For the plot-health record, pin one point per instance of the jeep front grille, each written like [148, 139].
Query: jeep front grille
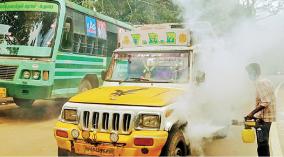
[86, 117]
[7, 72]
[107, 121]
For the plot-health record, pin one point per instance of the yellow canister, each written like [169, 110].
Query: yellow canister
[250, 123]
[248, 135]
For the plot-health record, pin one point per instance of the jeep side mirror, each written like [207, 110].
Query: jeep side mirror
[200, 77]
[103, 75]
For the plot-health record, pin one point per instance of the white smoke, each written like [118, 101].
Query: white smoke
[225, 48]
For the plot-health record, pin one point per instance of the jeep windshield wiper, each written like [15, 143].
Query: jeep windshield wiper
[139, 79]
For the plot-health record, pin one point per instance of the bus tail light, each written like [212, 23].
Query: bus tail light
[45, 75]
[61, 133]
[144, 141]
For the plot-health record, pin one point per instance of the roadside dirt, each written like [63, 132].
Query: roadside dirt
[28, 132]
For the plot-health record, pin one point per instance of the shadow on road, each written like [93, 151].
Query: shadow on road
[41, 110]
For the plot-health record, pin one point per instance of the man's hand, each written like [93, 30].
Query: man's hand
[250, 116]
[257, 109]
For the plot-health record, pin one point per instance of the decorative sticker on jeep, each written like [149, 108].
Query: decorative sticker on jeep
[118, 93]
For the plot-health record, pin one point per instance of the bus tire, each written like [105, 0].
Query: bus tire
[175, 145]
[85, 85]
[23, 102]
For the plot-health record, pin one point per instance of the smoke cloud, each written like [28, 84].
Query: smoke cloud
[228, 40]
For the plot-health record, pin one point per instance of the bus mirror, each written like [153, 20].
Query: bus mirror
[103, 75]
[200, 77]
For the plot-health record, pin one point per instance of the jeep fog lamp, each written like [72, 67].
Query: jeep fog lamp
[70, 115]
[114, 137]
[149, 121]
[36, 75]
[26, 74]
[75, 133]
[85, 134]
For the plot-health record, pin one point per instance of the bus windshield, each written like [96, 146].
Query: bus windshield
[27, 28]
[149, 67]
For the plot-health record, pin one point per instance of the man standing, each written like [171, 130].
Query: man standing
[265, 108]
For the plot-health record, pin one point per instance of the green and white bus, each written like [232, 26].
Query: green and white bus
[53, 49]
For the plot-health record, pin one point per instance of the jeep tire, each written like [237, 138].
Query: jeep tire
[175, 145]
[62, 152]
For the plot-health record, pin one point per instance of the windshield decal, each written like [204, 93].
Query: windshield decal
[29, 6]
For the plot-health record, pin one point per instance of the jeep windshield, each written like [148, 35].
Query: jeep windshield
[149, 67]
[27, 28]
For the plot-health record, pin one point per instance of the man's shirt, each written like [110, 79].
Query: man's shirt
[265, 97]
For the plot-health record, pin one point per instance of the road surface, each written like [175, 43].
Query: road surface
[28, 132]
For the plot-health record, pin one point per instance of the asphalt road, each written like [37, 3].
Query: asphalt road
[29, 132]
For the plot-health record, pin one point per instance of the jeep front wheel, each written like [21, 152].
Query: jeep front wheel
[62, 152]
[175, 145]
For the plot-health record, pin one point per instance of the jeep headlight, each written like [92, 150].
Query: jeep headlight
[70, 115]
[150, 121]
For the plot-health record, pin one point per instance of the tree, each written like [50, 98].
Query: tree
[85, 3]
[140, 11]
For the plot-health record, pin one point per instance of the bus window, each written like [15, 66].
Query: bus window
[67, 37]
[83, 44]
[111, 43]
[90, 45]
[77, 43]
[101, 47]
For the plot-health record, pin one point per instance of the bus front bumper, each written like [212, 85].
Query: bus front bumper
[27, 91]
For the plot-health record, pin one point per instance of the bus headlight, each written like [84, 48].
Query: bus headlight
[36, 75]
[70, 115]
[26, 74]
[150, 121]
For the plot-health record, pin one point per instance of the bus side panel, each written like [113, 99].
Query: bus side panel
[70, 69]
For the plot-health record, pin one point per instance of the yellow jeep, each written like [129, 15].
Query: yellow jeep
[132, 114]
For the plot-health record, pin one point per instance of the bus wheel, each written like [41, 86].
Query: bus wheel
[23, 102]
[175, 145]
[85, 85]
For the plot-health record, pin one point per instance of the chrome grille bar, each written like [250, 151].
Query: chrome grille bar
[105, 121]
[115, 121]
[126, 122]
[86, 117]
[96, 120]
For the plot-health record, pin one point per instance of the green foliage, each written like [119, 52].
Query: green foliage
[140, 11]
[86, 3]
